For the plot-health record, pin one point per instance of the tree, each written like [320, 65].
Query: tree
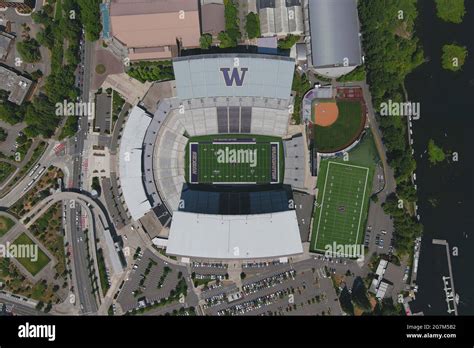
[252, 25]
[243, 275]
[451, 10]
[435, 153]
[232, 28]
[90, 18]
[358, 74]
[37, 74]
[359, 294]
[3, 134]
[29, 50]
[374, 198]
[226, 41]
[406, 191]
[205, 41]
[45, 37]
[454, 57]
[11, 113]
[346, 301]
[288, 42]
[40, 305]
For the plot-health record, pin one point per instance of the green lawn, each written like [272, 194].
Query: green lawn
[234, 159]
[344, 131]
[32, 266]
[5, 225]
[6, 169]
[104, 283]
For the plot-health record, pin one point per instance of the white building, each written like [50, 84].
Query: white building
[276, 18]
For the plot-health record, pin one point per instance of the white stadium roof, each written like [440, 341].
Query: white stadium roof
[238, 75]
[130, 163]
[234, 236]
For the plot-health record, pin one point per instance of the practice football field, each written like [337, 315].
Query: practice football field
[234, 161]
[341, 205]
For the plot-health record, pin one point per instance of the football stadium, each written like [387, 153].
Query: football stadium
[216, 165]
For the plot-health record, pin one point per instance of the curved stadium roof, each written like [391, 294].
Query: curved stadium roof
[334, 32]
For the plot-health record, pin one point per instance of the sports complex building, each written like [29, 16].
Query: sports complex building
[215, 165]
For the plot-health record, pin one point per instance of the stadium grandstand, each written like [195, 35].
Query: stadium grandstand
[226, 97]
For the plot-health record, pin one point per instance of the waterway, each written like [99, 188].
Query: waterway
[446, 190]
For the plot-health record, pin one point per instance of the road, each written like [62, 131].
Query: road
[20, 307]
[77, 240]
[19, 190]
[73, 212]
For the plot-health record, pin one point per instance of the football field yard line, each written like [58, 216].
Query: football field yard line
[235, 172]
[322, 202]
[343, 193]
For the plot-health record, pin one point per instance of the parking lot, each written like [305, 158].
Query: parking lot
[152, 279]
[379, 231]
[284, 292]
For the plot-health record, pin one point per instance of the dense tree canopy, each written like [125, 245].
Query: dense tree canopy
[152, 71]
[392, 52]
[231, 36]
[29, 50]
[60, 34]
[454, 57]
[451, 10]
[252, 25]
[435, 153]
[288, 42]
[90, 18]
[205, 41]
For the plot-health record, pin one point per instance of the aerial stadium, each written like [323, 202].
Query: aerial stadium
[217, 164]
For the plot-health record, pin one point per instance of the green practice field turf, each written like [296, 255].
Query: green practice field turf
[234, 160]
[341, 204]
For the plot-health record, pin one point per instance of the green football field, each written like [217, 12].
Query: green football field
[234, 160]
[341, 205]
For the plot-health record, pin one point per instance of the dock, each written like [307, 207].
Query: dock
[448, 282]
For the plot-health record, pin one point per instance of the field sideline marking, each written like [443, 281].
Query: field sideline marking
[322, 202]
[324, 193]
[191, 163]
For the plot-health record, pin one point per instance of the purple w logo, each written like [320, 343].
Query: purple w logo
[235, 77]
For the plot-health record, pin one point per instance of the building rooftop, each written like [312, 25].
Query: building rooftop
[212, 18]
[334, 27]
[17, 85]
[234, 237]
[155, 25]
